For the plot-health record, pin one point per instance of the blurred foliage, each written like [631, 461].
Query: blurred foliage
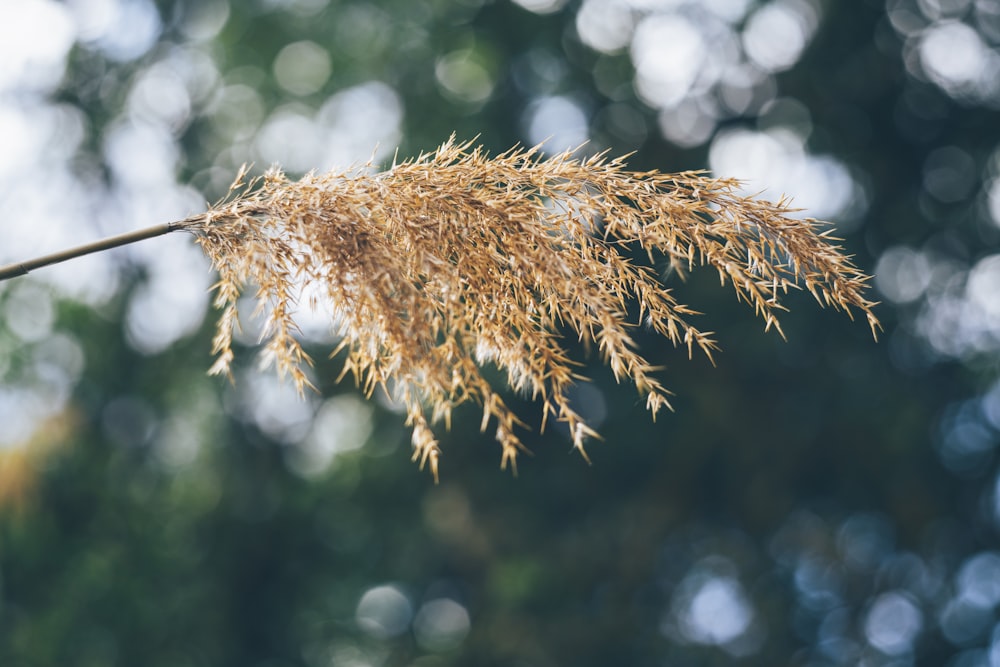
[795, 509]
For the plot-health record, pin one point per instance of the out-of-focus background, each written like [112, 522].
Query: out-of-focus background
[822, 501]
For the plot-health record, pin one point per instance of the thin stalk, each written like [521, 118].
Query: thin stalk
[23, 268]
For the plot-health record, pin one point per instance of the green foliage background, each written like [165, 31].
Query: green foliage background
[808, 471]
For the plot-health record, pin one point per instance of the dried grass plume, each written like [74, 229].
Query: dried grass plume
[455, 259]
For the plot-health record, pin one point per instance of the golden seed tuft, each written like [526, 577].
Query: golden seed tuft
[455, 259]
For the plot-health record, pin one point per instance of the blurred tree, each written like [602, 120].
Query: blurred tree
[818, 502]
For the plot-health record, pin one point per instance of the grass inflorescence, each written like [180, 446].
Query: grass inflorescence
[456, 259]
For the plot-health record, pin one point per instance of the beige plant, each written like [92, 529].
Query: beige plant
[455, 259]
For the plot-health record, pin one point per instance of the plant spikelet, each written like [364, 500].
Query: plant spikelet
[454, 260]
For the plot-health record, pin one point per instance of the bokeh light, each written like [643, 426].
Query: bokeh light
[893, 623]
[700, 64]
[778, 32]
[341, 424]
[441, 624]
[463, 77]
[541, 6]
[776, 164]
[558, 122]
[28, 62]
[903, 274]
[302, 68]
[274, 406]
[122, 29]
[384, 611]
[710, 606]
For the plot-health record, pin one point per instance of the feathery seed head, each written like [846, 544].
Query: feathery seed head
[455, 258]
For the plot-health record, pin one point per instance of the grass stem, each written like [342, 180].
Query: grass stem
[23, 268]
